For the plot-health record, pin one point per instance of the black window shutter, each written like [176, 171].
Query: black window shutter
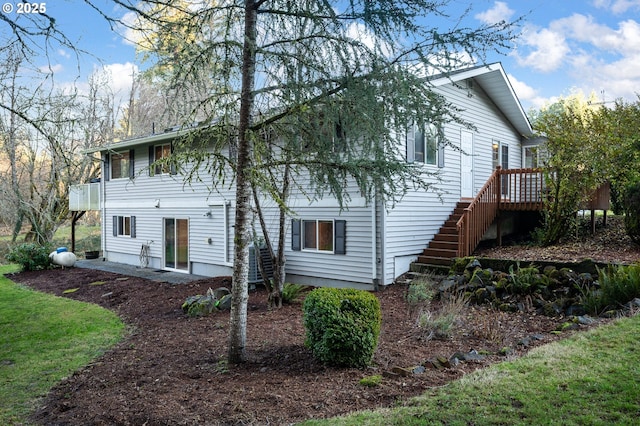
[295, 235]
[133, 226]
[115, 226]
[340, 246]
[106, 166]
[131, 165]
[151, 160]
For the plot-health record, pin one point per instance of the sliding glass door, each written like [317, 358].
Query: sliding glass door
[176, 244]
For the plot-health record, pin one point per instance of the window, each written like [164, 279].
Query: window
[160, 152]
[319, 235]
[124, 226]
[531, 158]
[423, 145]
[121, 165]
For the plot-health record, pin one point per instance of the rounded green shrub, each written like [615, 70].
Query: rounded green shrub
[342, 326]
[30, 256]
[632, 211]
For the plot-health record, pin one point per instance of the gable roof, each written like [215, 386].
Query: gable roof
[494, 81]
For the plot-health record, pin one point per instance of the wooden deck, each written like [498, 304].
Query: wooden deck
[509, 189]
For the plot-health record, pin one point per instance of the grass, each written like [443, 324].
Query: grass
[43, 339]
[592, 378]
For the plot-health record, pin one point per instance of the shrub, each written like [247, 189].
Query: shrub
[632, 211]
[619, 284]
[420, 290]
[342, 326]
[371, 381]
[291, 292]
[30, 256]
[440, 324]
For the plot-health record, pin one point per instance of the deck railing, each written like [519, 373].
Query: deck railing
[510, 189]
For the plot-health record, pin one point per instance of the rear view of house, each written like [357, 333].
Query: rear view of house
[188, 227]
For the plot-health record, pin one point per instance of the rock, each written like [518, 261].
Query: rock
[473, 264]
[526, 341]
[401, 371]
[574, 310]
[472, 355]
[220, 292]
[224, 304]
[505, 351]
[418, 369]
[447, 285]
[635, 303]
[569, 325]
[585, 320]
[437, 363]
[444, 361]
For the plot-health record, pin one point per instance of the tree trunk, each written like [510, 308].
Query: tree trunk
[240, 289]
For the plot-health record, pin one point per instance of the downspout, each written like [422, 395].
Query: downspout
[103, 210]
[377, 254]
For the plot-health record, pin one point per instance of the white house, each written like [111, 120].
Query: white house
[189, 228]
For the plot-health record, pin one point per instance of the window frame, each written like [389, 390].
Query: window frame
[339, 236]
[425, 147]
[124, 226]
[117, 157]
[317, 235]
[161, 169]
[536, 157]
[165, 151]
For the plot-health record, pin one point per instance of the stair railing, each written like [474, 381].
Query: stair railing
[511, 189]
[479, 215]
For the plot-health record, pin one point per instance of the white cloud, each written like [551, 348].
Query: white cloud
[129, 35]
[52, 68]
[529, 97]
[584, 29]
[498, 13]
[64, 53]
[617, 6]
[120, 77]
[548, 49]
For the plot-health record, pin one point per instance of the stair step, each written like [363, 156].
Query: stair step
[450, 254]
[448, 230]
[450, 224]
[425, 268]
[452, 238]
[447, 245]
[435, 260]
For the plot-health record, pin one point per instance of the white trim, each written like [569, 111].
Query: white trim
[318, 250]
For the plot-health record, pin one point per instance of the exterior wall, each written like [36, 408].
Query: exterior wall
[381, 240]
[151, 199]
[355, 268]
[411, 224]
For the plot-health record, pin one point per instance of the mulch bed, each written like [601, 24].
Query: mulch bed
[171, 369]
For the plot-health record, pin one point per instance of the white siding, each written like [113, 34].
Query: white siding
[152, 198]
[379, 241]
[412, 223]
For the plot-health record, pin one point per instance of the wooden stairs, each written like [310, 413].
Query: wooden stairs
[510, 189]
[443, 248]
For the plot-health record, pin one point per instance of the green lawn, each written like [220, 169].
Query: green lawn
[592, 378]
[43, 339]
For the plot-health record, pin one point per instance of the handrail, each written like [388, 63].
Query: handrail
[510, 189]
[482, 209]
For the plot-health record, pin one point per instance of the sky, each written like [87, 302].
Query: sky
[563, 46]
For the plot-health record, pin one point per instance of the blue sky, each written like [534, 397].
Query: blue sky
[564, 46]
